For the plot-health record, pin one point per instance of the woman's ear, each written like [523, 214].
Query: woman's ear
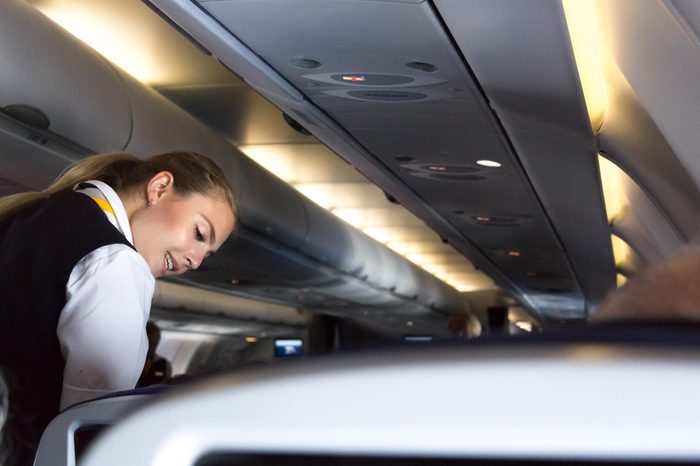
[158, 186]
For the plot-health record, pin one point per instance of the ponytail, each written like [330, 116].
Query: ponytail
[192, 172]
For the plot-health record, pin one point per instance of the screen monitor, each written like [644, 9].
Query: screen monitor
[289, 347]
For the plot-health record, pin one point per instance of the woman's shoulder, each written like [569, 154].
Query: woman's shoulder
[112, 260]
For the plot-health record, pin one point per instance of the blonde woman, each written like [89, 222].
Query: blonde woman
[80, 261]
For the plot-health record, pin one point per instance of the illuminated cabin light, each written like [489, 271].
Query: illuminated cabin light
[417, 259]
[488, 163]
[409, 323]
[613, 180]
[621, 280]
[621, 250]
[334, 196]
[109, 40]
[586, 43]
[398, 246]
[251, 339]
[514, 253]
[235, 281]
[263, 334]
[483, 219]
[522, 325]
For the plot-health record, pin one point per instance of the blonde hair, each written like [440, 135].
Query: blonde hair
[192, 173]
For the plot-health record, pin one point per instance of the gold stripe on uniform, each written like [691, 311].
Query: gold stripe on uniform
[104, 205]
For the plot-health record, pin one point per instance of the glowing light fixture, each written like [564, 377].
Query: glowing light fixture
[622, 251]
[251, 339]
[585, 40]
[488, 163]
[613, 180]
[365, 207]
[108, 40]
[621, 280]
[523, 325]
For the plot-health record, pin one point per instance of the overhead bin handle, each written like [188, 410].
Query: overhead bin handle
[28, 115]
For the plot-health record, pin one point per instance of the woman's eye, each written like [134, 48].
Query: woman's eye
[198, 234]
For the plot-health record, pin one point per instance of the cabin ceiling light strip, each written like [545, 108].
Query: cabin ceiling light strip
[108, 39]
[585, 40]
[344, 200]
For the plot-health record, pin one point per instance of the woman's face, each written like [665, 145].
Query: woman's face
[175, 233]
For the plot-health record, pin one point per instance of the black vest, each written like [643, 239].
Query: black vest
[38, 250]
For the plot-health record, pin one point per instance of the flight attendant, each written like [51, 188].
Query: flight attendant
[79, 264]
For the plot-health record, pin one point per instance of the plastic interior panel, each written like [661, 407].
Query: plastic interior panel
[665, 76]
[274, 88]
[646, 94]
[434, 132]
[99, 118]
[57, 447]
[33, 158]
[455, 403]
[545, 117]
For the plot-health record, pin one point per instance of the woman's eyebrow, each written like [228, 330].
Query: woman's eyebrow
[212, 236]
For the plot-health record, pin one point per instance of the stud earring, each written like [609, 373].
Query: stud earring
[150, 203]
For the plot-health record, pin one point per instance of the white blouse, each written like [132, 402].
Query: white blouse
[101, 329]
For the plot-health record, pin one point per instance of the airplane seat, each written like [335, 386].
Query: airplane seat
[67, 436]
[430, 406]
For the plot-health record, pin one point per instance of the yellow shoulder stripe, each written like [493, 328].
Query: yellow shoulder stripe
[104, 205]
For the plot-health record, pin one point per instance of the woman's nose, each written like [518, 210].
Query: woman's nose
[193, 261]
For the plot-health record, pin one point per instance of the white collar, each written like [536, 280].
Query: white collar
[119, 212]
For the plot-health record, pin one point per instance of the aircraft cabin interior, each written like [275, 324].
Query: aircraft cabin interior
[425, 186]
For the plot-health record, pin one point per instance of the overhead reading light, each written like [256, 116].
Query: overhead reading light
[482, 218]
[514, 253]
[437, 168]
[251, 339]
[488, 163]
